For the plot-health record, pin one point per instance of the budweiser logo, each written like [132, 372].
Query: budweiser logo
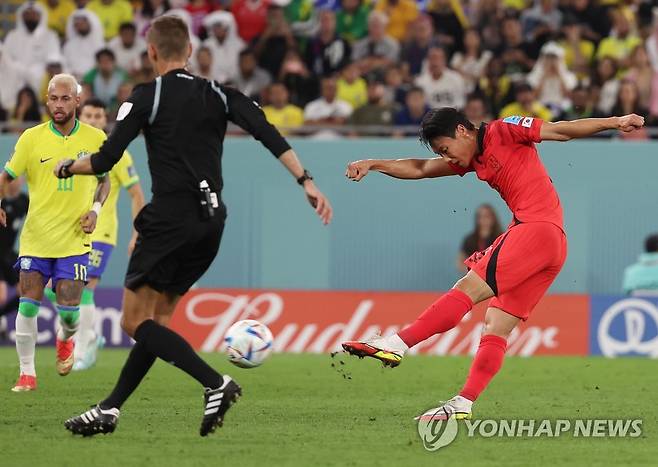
[314, 322]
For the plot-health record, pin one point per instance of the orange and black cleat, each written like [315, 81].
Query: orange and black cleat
[365, 349]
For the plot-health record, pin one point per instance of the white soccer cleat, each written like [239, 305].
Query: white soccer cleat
[458, 408]
[88, 360]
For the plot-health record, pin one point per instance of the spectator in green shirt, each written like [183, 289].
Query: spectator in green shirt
[352, 20]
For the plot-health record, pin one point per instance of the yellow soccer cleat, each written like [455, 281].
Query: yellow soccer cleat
[369, 349]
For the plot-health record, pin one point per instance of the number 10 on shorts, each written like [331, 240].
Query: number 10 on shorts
[80, 272]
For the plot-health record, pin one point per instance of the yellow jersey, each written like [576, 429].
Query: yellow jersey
[52, 226]
[290, 116]
[122, 175]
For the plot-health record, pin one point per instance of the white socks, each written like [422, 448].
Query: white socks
[26, 340]
[86, 331]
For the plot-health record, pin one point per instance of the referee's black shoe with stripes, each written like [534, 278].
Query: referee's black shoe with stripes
[94, 421]
[216, 404]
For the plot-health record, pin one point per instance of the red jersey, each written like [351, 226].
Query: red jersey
[509, 162]
[251, 17]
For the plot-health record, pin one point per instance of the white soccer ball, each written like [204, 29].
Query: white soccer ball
[248, 343]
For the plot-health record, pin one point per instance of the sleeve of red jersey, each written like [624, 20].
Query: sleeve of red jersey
[518, 129]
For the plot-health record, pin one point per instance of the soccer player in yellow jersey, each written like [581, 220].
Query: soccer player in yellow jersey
[55, 241]
[104, 238]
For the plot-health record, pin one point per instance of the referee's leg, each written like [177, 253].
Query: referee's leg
[146, 313]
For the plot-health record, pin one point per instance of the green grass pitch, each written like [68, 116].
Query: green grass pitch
[298, 410]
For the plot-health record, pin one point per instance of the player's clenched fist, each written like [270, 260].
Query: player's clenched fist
[88, 222]
[630, 122]
[3, 218]
[357, 170]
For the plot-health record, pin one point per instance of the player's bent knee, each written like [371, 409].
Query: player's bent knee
[499, 323]
[475, 287]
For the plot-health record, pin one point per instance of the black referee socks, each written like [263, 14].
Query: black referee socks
[139, 362]
[172, 348]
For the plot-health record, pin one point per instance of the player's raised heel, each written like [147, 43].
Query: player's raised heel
[365, 349]
[94, 421]
[216, 404]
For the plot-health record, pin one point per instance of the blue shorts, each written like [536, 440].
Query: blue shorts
[71, 267]
[99, 256]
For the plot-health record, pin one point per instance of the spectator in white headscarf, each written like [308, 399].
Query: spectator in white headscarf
[224, 45]
[84, 37]
[551, 78]
[30, 43]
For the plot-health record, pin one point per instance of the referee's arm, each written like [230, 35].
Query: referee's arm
[245, 113]
[131, 118]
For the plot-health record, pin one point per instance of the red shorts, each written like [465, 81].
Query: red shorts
[521, 265]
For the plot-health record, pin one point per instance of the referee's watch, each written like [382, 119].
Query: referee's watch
[306, 176]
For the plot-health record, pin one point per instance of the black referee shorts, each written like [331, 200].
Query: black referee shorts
[174, 246]
[7, 272]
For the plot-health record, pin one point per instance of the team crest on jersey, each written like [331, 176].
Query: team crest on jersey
[26, 263]
[82, 153]
[514, 119]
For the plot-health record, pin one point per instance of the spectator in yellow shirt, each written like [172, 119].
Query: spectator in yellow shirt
[352, 88]
[526, 105]
[401, 13]
[112, 14]
[58, 12]
[621, 41]
[280, 112]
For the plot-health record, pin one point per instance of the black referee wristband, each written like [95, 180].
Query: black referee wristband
[306, 176]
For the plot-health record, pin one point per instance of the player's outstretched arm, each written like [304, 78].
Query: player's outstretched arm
[409, 169]
[564, 131]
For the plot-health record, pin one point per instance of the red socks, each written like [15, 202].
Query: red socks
[441, 316]
[487, 362]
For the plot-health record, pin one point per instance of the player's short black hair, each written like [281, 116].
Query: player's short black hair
[107, 52]
[94, 102]
[442, 122]
[651, 243]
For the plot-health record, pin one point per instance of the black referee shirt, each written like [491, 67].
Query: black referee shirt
[184, 116]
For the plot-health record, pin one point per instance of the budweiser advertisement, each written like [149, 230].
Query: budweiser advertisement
[318, 321]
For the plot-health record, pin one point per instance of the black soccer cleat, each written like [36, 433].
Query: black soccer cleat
[216, 404]
[94, 421]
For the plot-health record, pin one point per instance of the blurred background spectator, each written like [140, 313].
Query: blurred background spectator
[280, 112]
[486, 229]
[127, 47]
[251, 79]
[105, 78]
[641, 278]
[84, 37]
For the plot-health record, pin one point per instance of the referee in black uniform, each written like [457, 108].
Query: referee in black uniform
[184, 120]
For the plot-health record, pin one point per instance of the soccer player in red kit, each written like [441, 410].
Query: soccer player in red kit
[518, 268]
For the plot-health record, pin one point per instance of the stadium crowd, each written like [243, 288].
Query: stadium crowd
[323, 64]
